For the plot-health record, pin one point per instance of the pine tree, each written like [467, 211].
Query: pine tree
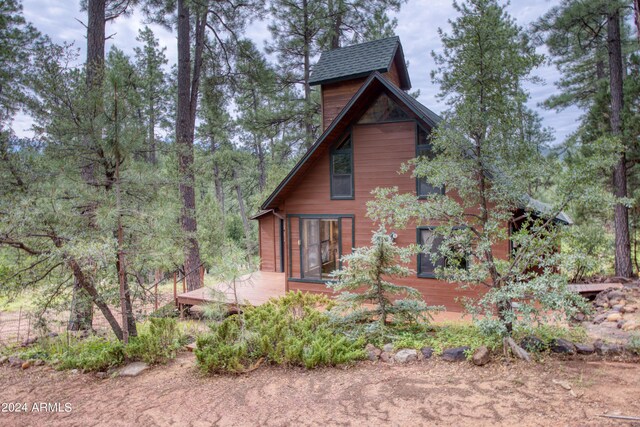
[487, 154]
[586, 40]
[150, 60]
[365, 281]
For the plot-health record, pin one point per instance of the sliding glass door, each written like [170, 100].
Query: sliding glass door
[320, 242]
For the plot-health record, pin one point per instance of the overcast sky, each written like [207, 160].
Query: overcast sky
[418, 22]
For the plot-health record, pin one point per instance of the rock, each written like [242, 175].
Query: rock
[388, 348]
[604, 349]
[617, 307]
[406, 355]
[26, 365]
[373, 352]
[585, 348]
[52, 334]
[15, 362]
[133, 369]
[3, 360]
[386, 357]
[481, 356]
[30, 341]
[75, 371]
[532, 344]
[599, 318]
[629, 309]
[631, 325]
[456, 354]
[615, 295]
[614, 317]
[564, 384]
[101, 375]
[427, 352]
[580, 317]
[560, 345]
[38, 362]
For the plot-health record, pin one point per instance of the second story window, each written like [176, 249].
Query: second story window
[342, 170]
[425, 149]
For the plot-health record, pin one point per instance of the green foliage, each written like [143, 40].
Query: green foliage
[587, 251]
[448, 335]
[287, 331]
[487, 153]
[157, 341]
[368, 270]
[548, 332]
[633, 344]
[93, 353]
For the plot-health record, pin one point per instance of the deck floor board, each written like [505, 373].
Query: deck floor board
[255, 288]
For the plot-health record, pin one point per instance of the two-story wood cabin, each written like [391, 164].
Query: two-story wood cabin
[370, 127]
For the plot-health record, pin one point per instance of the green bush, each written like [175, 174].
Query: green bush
[547, 333]
[633, 344]
[157, 341]
[93, 353]
[287, 331]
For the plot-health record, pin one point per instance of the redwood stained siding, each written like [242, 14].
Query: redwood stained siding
[378, 152]
[335, 96]
[267, 243]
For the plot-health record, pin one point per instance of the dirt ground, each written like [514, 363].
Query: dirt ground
[433, 392]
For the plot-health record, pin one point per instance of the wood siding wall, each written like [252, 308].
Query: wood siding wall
[378, 150]
[267, 243]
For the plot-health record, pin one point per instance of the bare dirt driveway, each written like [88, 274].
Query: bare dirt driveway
[425, 393]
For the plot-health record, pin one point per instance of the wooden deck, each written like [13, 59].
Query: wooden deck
[255, 289]
[592, 289]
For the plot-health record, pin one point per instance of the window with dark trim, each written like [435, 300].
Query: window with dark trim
[384, 109]
[425, 149]
[432, 241]
[342, 170]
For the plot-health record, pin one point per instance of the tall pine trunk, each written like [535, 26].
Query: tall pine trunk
[308, 116]
[185, 129]
[81, 316]
[623, 266]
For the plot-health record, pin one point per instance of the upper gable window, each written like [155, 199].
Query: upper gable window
[425, 149]
[342, 170]
[384, 110]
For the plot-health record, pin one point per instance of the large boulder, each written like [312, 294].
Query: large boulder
[406, 355]
[481, 356]
[562, 346]
[456, 354]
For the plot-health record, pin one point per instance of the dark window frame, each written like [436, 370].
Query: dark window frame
[300, 217]
[420, 273]
[419, 152]
[332, 152]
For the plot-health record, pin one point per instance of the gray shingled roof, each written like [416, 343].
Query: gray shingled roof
[359, 60]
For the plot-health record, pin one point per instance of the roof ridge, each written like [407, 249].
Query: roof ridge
[360, 44]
